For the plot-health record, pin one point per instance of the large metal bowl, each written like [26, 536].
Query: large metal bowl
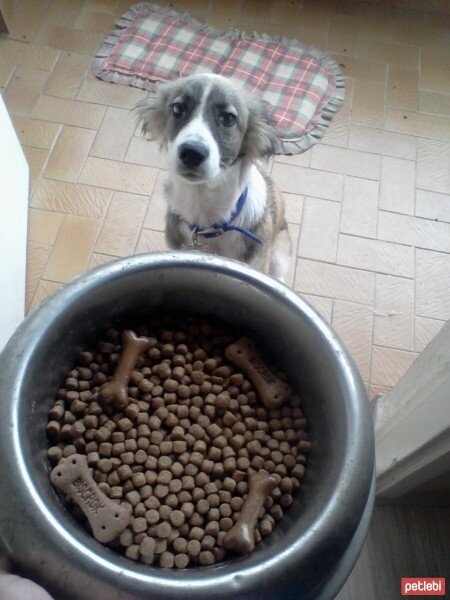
[312, 549]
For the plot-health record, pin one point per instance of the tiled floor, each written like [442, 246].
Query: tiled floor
[368, 207]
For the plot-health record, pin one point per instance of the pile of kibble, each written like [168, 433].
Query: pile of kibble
[179, 455]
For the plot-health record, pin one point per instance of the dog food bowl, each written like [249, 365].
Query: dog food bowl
[313, 547]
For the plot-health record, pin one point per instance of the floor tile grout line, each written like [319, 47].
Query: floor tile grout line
[358, 269]
[89, 185]
[340, 217]
[128, 148]
[30, 308]
[86, 157]
[373, 325]
[11, 75]
[102, 224]
[377, 239]
[97, 131]
[411, 216]
[52, 246]
[295, 250]
[149, 199]
[395, 349]
[415, 248]
[415, 298]
[300, 230]
[386, 83]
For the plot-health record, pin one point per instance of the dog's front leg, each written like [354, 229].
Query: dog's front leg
[175, 236]
[280, 256]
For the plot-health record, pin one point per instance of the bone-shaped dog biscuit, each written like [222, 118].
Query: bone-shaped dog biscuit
[273, 391]
[106, 518]
[241, 537]
[116, 390]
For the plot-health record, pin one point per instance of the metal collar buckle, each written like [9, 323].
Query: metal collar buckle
[212, 233]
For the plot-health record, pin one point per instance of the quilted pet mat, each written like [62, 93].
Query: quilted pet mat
[153, 44]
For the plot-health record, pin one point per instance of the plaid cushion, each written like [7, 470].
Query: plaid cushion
[158, 45]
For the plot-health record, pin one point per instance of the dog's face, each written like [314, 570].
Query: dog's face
[207, 123]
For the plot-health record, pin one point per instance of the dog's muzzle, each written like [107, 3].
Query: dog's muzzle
[192, 155]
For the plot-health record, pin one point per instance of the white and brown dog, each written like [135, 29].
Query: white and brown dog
[218, 197]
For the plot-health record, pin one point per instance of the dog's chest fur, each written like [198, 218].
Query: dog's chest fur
[203, 206]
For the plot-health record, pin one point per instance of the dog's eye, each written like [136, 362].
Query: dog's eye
[227, 119]
[178, 109]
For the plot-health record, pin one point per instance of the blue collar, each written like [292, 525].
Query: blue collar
[222, 227]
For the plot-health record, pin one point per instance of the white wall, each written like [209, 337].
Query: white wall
[412, 423]
[13, 227]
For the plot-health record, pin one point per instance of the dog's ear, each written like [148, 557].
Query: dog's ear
[152, 113]
[260, 140]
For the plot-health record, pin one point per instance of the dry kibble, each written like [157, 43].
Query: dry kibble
[179, 455]
[104, 465]
[164, 477]
[202, 506]
[139, 510]
[298, 471]
[147, 550]
[285, 500]
[126, 537]
[214, 454]
[177, 518]
[105, 449]
[132, 552]
[226, 523]
[69, 450]
[236, 503]
[127, 458]
[166, 447]
[229, 419]
[133, 498]
[187, 509]
[161, 491]
[160, 545]
[125, 424]
[130, 443]
[193, 547]
[243, 463]
[191, 470]
[218, 470]
[166, 560]
[181, 560]
[53, 428]
[163, 530]
[139, 525]
[165, 462]
[206, 558]
[180, 544]
[188, 482]
[124, 472]
[140, 457]
[196, 533]
[225, 510]
[196, 520]
[152, 516]
[175, 486]
[229, 465]
[138, 479]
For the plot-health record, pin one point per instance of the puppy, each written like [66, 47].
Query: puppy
[219, 199]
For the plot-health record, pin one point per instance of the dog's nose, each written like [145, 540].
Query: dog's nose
[192, 155]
